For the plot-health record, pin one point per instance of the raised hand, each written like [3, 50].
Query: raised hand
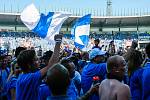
[58, 38]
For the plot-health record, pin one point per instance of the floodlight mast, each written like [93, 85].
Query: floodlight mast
[109, 8]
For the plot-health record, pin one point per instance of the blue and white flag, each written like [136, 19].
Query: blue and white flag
[46, 26]
[81, 31]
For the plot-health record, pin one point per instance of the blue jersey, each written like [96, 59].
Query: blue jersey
[136, 85]
[87, 75]
[59, 98]
[4, 73]
[89, 72]
[11, 84]
[45, 92]
[27, 86]
[140, 83]
[146, 82]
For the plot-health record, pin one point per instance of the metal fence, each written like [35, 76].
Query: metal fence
[83, 11]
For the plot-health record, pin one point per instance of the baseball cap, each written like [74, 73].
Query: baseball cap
[95, 52]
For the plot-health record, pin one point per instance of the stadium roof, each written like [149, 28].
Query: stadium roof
[13, 19]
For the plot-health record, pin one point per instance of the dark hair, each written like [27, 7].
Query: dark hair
[26, 58]
[111, 42]
[147, 49]
[96, 40]
[47, 55]
[135, 60]
[58, 79]
[65, 62]
[136, 57]
[18, 50]
[134, 44]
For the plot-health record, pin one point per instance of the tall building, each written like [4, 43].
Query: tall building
[109, 8]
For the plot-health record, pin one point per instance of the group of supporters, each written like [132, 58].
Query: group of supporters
[67, 75]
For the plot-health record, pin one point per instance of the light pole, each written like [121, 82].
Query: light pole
[109, 8]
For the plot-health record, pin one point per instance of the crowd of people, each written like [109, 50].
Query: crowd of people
[71, 75]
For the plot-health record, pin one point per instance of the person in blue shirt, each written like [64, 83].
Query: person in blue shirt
[4, 73]
[128, 56]
[45, 58]
[84, 60]
[96, 67]
[11, 88]
[43, 91]
[139, 81]
[96, 42]
[11, 81]
[145, 79]
[58, 80]
[13, 76]
[68, 63]
[30, 80]
[135, 59]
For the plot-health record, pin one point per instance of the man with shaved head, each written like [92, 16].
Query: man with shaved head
[112, 88]
[58, 80]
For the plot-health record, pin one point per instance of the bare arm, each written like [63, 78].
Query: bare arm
[93, 90]
[55, 56]
[124, 93]
[99, 91]
[13, 94]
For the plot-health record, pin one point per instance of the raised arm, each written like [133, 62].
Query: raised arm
[55, 56]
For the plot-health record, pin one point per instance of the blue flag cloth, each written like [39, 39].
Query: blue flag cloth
[81, 31]
[46, 26]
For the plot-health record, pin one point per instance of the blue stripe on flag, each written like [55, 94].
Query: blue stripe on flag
[43, 25]
[85, 20]
[81, 32]
[77, 45]
[84, 39]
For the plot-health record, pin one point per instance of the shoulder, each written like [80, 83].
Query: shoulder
[124, 88]
[30, 76]
[43, 88]
[123, 92]
[77, 73]
[103, 83]
[77, 76]
[102, 66]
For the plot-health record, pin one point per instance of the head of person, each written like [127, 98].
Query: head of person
[46, 56]
[116, 66]
[111, 42]
[58, 79]
[9, 59]
[135, 60]
[97, 56]
[134, 44]
[2, 62]
[147, 50]
[96, 42]
[68, 63]
[85, 56]
[18, 50]
[28, 61]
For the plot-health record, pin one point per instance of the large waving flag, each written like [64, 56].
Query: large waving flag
[81, 31]
[46, 26]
